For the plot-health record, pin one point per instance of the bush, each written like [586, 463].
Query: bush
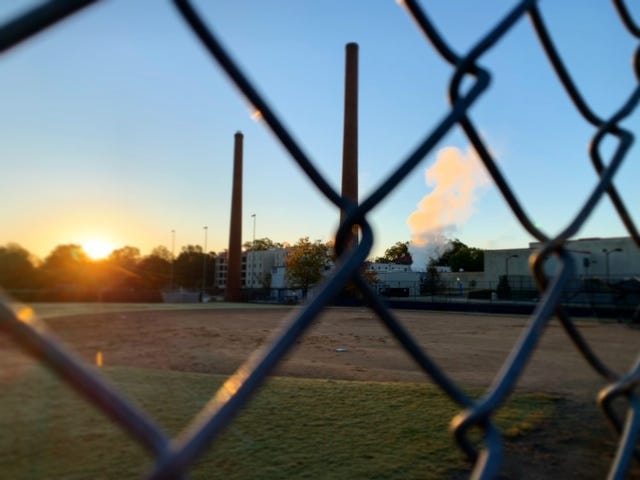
[484, 294]
[503, 289]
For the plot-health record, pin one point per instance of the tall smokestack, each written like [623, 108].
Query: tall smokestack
[350, 132]
[234, 259]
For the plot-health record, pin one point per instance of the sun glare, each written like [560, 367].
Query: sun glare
[97, 249]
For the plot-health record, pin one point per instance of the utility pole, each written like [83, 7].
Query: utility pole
[173, 257]
[606, 258]
[204, 264]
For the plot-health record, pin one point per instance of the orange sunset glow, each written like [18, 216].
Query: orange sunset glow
[97, 249]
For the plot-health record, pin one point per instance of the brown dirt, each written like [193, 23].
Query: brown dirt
[351, 344]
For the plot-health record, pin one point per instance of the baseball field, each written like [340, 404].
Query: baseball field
[347, 402]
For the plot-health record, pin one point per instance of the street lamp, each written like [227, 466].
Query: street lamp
[586, 263]
[204, 263]
[173, 248]
[506, 265]
[252, 253]
[606, 255]
[253, 245]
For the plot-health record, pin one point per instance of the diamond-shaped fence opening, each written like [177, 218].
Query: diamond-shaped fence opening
[173, 457]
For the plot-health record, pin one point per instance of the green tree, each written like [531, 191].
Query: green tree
[162, 252]
[189, 266]
[397, 253]
[261, 244]
[155, 269]
[432, 283]
[17, 269]
[122, 267]
[503, 290]
[126, 256]
[306, 262]
[67, 265]
[461, 257]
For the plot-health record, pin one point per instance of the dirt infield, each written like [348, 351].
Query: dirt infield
[349, 343]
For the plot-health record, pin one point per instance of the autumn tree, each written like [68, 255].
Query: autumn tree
[305, 263]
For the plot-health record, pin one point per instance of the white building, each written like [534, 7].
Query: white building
[263, 270]
[387, 267]
[613, 258]
[257, 268]
[395, 280]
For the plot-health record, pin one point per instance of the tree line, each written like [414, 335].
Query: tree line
[69, 268]
[68, 273]
[457, 255]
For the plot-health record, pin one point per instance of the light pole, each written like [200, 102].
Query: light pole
[606, 258]
[506, 265]
[253, 245]
[204, 264]
[173, 248]
[586, 263]
[252, 253]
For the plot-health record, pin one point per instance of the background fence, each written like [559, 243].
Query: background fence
[174, 456]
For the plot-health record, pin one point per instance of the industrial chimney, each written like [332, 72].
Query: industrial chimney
[234, 254]
[350, 132]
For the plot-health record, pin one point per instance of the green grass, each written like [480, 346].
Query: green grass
[294, 428]
[64, 309]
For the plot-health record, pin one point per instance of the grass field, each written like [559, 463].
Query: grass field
[295, 428]
[347, 402]
[52, 310]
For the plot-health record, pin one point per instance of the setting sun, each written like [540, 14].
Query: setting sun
[97, 249]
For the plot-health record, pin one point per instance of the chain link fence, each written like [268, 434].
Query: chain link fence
[175, 456]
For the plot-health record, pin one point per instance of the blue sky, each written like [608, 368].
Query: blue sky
[117, 125]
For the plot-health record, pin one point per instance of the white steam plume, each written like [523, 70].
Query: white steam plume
[457, 179]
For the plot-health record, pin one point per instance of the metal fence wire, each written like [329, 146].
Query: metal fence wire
[173, 457]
